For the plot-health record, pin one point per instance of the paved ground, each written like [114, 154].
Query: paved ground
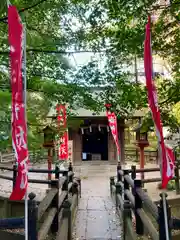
[96, 216]
[110, 170]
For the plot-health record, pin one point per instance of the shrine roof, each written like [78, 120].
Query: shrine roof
[82, 112]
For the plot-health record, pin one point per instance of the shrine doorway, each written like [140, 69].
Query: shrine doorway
[95, 145]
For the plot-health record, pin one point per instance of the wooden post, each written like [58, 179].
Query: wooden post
[162, 230]
[32, 217]
[133, 176]
[133, 172]
[138, 205]
[75, 188]
[49, 162]
[112, 182]
[55, 203]
[79, 182]
[57, 172]
[137, 155]
[65, 185]
[142, 161]
[126, 185]
[118, 191]
[67, 214]
[70, 167]
[14, 174]
[126, 214]
[119, 177]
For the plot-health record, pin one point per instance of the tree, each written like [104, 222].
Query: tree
[116, 30]
[48, 74]
[42, 25]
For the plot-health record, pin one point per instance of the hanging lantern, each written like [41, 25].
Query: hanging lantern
[141, 136]
[49, 137]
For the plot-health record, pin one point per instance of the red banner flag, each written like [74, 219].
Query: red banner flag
[167, 161]
[63, 149]
[61, 115]
[62, 118]
[19, 132]
[112, 120]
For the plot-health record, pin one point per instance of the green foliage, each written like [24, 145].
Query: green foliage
[116, 30]
[49, 75]
[5, 127]
[176, 111]
[171, 186]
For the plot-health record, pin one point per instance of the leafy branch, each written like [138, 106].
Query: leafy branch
[24, 9]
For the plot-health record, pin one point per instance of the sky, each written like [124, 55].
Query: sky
[79, 59]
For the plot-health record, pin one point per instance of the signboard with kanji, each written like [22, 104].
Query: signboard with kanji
[70, 151]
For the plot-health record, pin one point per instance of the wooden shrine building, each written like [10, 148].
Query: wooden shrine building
[91, 137]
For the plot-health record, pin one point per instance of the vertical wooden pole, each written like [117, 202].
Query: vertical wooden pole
[55, 203]
[70, 167]
[79, 182]
[49, 162]
[127, 215]
[32, 217]
[119, 177]
[138, 205]
[67, 214]
[133, 172]
[118, 191]
[142, 161]
[65, 185]
[126, 184]
[162, 228]
[14, 174]
[112, 182]
[57, 172]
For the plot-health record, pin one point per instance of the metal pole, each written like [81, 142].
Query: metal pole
[165, 215]
[163, 197]
[160, 154]
[25, 102]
